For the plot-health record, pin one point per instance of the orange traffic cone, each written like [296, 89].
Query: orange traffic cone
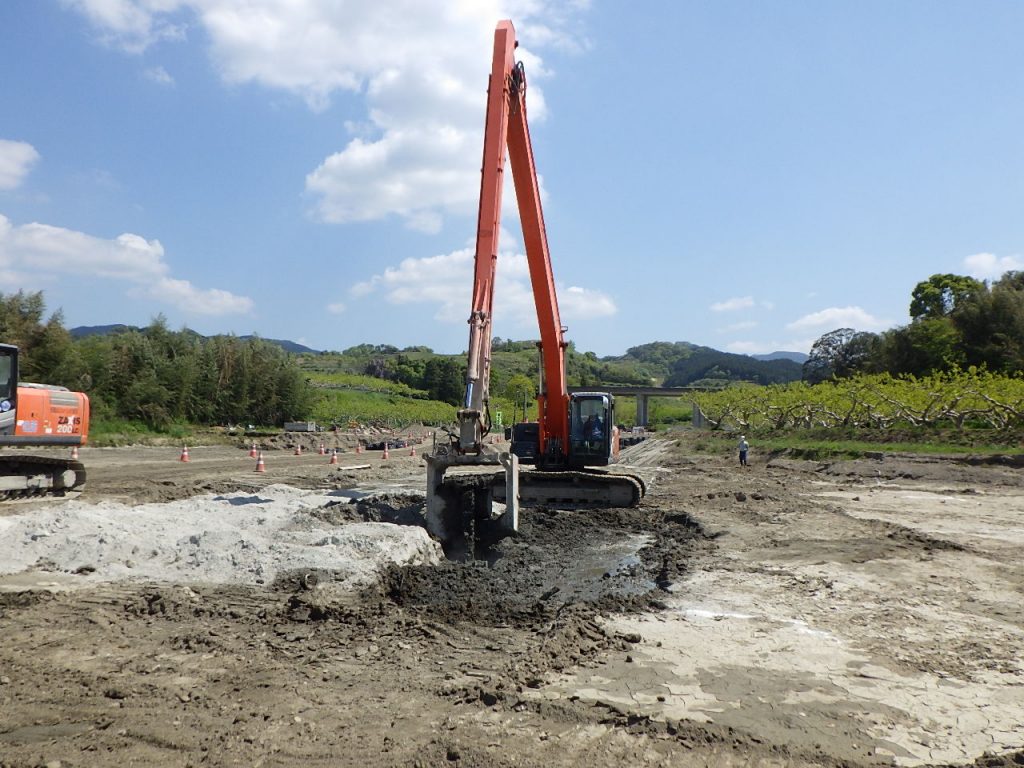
[412, 450]
[260, 466]
[253, 452]
[323, 451]
[385, 456]
[184, 454]
[298, 450]
[359, 447]
[334, 457]
[74, 453]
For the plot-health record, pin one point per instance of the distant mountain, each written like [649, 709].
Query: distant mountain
[100, 330]
[708, 365]
[287, 346]
[82, 331]
[680, 364]
[796, 357]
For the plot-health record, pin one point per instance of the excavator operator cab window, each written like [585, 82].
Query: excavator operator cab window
[7, 382]
[589, 428]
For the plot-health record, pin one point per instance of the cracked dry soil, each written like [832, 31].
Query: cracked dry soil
[688, 631]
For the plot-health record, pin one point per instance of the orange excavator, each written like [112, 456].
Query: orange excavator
[34, 416]
[575, 433]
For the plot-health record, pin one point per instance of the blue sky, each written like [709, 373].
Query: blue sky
[745, 175]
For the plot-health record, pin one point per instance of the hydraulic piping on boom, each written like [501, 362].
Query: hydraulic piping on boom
[573, 433]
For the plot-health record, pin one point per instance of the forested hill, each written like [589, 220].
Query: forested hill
[660, 363]
[680, 364]
[83, 331]
[161, 377]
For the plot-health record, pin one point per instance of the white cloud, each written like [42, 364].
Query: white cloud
[742, 326]
[445, 281]
[750, 347]
[764, 347]
[584, 303]
[33, 252]
[16, 160]
[421, 66]
[839, 317]
[730, 305]
[337, 308]
[132, 25]
[158, 75]
[988, 266]
[186, 297]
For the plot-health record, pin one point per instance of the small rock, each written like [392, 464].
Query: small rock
[54, 764]
[629, 659]
[740, 496]
[85, 570]
[5, 680]
[855, 498]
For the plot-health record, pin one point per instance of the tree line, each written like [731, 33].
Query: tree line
[957, 322]
[155, 375]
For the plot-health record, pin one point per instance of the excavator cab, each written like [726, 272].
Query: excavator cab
[591, 429]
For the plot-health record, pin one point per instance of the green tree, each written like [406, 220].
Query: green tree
[444, 379]
[992, 325]
[839, 353]
[520, 390]
[940, 295]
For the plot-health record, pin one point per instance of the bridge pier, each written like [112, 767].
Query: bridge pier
[641, 410]
[643, 395]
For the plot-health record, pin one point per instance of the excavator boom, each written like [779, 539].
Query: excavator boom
[571, 432]
[507, 126]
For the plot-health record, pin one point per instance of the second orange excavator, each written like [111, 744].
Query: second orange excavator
[35, 416]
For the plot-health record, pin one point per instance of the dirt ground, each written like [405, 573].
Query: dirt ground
[791, 613]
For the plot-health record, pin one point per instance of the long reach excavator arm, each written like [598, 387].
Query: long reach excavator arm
[507, 125]
[573, 433]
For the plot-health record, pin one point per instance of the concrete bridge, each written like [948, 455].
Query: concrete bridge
[642, 394]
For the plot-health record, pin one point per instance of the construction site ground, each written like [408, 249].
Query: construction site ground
[801, 613]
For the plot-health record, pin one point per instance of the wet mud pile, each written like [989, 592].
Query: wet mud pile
[610, 560]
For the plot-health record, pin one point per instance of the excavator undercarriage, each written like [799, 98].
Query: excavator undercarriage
[24, 476]
[475, 506]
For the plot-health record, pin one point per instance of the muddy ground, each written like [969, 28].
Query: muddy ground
[793, 613]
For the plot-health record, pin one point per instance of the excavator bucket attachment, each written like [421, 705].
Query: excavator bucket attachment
[462, 509]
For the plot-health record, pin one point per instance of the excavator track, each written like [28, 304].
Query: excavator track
[35, 476]
[573, 489]
[562, 490]
[461, 515]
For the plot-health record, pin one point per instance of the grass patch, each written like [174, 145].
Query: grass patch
[816, 447]
[114, 433]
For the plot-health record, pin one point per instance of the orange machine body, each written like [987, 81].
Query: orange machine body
[50, 416]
